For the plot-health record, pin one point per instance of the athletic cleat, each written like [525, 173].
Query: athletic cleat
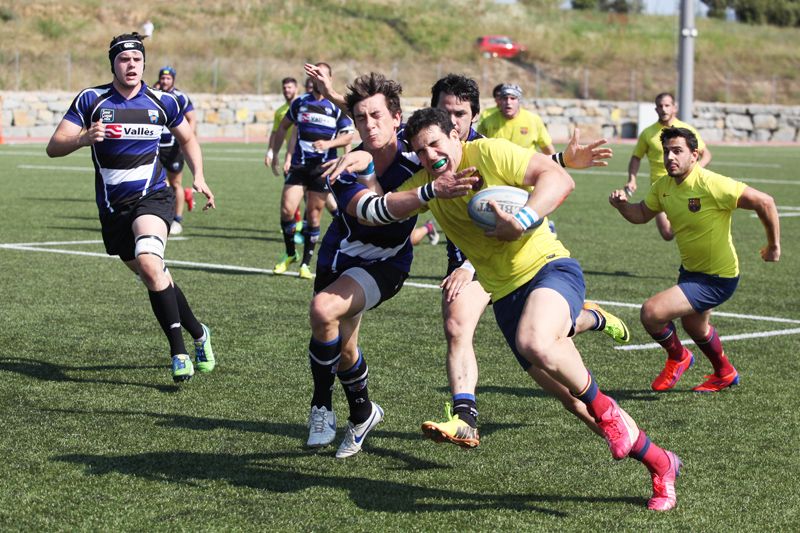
[321, 427]
[433, 234]
[715, 383]
[284, 263]
[615, 327]
[673, 370]
[298, 233]
[175, 228]
[189, 197]
[616, 431]
[203, 354]
[453, 430]
[664, 497]
[354, 437]
[305, 272]
[182, 369]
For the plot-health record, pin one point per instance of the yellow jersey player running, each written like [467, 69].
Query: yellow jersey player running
[699, 205]
[649, 144]
[516, 124]
[537, 289]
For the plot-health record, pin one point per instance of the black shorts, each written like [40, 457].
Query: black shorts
[117, 227]
[171, 158]
[309, 176]
[379, 281]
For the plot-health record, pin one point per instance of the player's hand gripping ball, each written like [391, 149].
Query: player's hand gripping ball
[508, 199]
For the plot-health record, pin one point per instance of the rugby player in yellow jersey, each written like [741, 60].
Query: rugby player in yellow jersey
[699, 205]
[649, 144]
[536, 288]
[516, 124]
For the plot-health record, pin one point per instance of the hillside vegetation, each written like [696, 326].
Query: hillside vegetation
[246, 46]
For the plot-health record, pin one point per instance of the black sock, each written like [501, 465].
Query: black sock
[188, 320]
[466, 407]
[324, 360]
[310, 238]
[354, 380]
[287, 228]
[165, 307]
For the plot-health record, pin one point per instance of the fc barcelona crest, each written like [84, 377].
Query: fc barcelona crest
[523, 131]
[694, 205]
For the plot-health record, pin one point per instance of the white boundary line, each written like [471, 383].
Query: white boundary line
[37, 247]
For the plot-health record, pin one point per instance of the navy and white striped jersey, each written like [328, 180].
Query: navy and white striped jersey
[316, 120]
[348, 243]
[167, 138]
[455, 257]
[126, 162]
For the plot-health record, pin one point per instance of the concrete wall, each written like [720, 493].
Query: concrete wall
[34, 115]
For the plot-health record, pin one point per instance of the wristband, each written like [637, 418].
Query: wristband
[426, 193]
[368, 173]
[559, 158]
[466, 265]
[270, 153]
[526, 217]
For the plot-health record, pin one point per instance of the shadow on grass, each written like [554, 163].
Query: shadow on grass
[623, 274]
[47, 371]
[286, 472]
[642, 395]
[80, 200]
[92, 229]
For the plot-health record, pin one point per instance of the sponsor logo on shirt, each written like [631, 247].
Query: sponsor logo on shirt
[316, 118]
[132, 131]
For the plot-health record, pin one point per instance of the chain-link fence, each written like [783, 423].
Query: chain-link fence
[233, 75]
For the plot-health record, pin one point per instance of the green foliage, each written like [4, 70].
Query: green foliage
[99, 439]
[51, 28]
[774, 12]
[7, 14]
[585, 4]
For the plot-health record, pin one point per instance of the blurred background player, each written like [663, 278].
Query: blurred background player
[321, 128]
[118, 121]
[492, 110]
[463, 298]
[170, 153]
[649, 144]
[699, 205]
[289, 90]
[515, 123]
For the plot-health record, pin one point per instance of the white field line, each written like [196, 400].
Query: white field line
[35, 247]
[622, 174]
[745, 164]
[55, 167]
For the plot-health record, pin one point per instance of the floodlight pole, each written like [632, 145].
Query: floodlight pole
[686, 61]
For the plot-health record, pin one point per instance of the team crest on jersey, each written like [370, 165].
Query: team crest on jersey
[328, 111]
[153, 115]
[106, 115]
[694, 205]
[303, 108]
[523, 131]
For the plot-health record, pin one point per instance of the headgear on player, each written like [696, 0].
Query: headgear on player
[124, 43]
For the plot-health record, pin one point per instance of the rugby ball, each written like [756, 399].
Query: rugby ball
[508, 199]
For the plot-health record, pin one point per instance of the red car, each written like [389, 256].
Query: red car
[499, 46]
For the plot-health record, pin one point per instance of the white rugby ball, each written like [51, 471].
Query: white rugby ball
[508, 199]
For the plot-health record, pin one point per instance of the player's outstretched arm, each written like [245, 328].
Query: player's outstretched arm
[594, 154]
[326, 84]
[68, 137]
[194, 159]
[764, 206]
[637, 213]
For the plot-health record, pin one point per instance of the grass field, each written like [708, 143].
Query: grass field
[96, 436]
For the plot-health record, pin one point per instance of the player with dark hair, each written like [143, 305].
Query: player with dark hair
[515, 123]
[698, 204]
[463, 298]
[122, 123]
[649, 144]
[169, 152]
[321, 128]
[361, 264]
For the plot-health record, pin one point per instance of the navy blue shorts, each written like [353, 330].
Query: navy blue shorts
[705, 291]
[563, 276]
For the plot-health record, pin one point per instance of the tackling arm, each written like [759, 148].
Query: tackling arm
[637, 213]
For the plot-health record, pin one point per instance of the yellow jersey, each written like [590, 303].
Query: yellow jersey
[526, 129]
[502, 266]
[699, 210]
[649, 144]
[279, 114]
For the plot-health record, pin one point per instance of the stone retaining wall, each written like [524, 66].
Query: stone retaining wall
[34, 115]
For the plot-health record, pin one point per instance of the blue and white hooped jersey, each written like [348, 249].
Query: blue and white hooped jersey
[454, 255]
[167, 138]
[126, 162]
[316, 120]
[348, 243]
